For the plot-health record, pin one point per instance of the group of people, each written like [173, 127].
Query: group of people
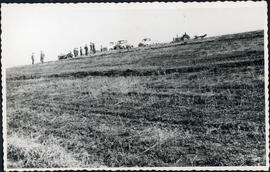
[87, 50]
[42, 56]
[76, 52]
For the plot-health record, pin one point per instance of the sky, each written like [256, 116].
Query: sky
[58, 28]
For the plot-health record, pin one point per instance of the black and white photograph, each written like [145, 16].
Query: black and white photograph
[128, 86]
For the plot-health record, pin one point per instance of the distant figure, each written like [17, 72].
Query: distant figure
[86, 49]
[42, 56]
[185, 37]
[81, 51]
[92, 47]
[75, 52]
[33, 58]
[101, 48]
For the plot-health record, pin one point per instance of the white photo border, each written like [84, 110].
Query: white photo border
[146, 5]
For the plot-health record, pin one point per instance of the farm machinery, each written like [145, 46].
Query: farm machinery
[200, 37]
[185, 37]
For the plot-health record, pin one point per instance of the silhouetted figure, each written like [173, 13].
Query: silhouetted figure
[94, 49]
[91, 47]
[75, 52]
[42, 56]
[81, 51]
[33, 58]
[86, 50]
[185, 37]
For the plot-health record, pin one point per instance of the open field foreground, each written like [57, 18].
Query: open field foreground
[194, 104]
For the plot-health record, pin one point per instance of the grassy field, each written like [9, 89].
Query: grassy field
[194, 104]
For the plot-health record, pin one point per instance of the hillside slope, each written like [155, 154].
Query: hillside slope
[194, 104]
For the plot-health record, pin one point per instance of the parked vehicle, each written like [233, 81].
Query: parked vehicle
[122, 44]
[65, 56]
[145, 42]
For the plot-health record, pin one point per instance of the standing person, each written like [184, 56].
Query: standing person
[33, 58]
[42, 56]
[91, 47]
[94, 49]
[75, 52]
[86, 50]
[81, 51]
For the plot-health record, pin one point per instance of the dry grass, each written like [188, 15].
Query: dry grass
[27, 152]
[169, 105]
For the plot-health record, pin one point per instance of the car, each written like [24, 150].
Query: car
[122, 44]
[145, 42]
